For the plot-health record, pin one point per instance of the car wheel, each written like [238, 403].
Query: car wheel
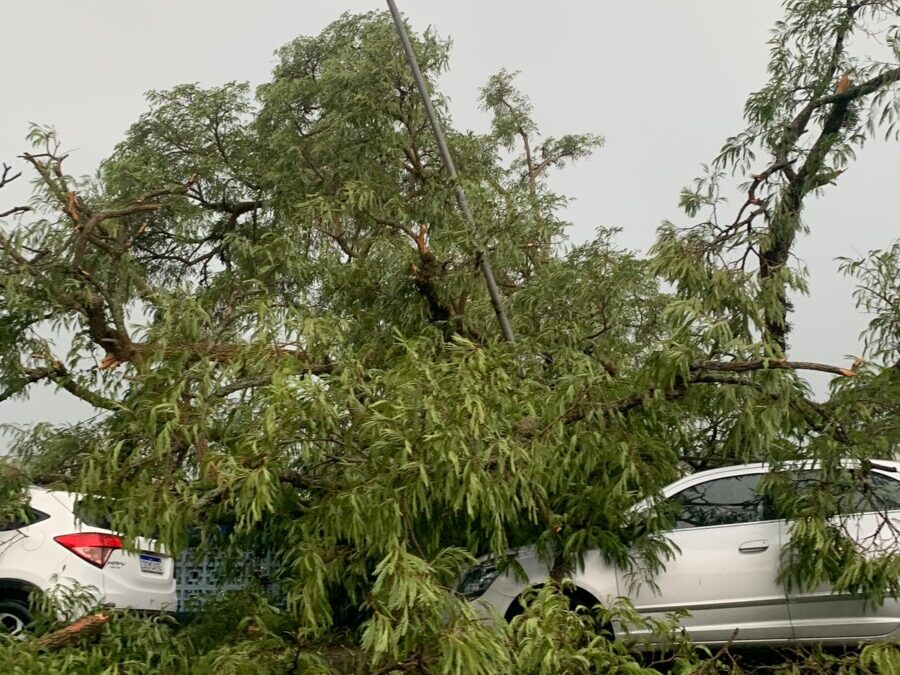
[577, 599]
[14, 617]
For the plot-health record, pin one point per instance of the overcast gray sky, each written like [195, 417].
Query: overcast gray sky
[663, 81]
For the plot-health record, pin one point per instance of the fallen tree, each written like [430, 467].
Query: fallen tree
[277, 309]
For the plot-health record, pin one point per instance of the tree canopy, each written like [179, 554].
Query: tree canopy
[275, 307]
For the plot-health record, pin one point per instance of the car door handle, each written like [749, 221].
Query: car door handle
[755, 546]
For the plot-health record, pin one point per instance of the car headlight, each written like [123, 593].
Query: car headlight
[477, 580]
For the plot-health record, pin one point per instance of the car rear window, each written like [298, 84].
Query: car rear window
[93, 513]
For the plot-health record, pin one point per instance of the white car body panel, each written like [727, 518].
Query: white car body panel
[821, 614]
[595, 577]
[719, 584]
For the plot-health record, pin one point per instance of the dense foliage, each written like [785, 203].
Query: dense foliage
[275, 307]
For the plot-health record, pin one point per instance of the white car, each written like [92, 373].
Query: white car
[725, 575]
[55, 549]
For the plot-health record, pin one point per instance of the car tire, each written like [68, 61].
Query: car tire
[15, 617]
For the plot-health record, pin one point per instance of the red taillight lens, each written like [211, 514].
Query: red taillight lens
[95, 547]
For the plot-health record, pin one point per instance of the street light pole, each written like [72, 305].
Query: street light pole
[461, 200]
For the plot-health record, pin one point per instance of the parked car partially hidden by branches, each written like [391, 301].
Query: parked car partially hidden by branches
[731, 571]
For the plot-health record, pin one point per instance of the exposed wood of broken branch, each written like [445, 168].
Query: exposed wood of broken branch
[85, 627]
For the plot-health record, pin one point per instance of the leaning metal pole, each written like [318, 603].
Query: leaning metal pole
[461, 200]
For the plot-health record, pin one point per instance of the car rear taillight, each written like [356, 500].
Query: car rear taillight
[95, 547]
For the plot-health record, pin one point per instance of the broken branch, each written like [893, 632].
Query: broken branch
[85, 627]
[770, 364]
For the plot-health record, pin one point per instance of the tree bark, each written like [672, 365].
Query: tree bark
[85, 627]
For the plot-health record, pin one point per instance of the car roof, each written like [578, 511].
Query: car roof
[888, 464]
[761, 467]
[57, 500]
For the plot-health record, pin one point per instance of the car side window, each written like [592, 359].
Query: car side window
[32, 516]
[854, 492]
[886, 491]
[723, 501]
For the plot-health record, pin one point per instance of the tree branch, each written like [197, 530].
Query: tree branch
[263, 380]
[770, 364]
[21, 384]
[14, 210]
[633, 401]
[5, 178]
[61, 377]
[854, 92]
[87, 626]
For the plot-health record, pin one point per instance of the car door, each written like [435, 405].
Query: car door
[870, 514]
[727, 568]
